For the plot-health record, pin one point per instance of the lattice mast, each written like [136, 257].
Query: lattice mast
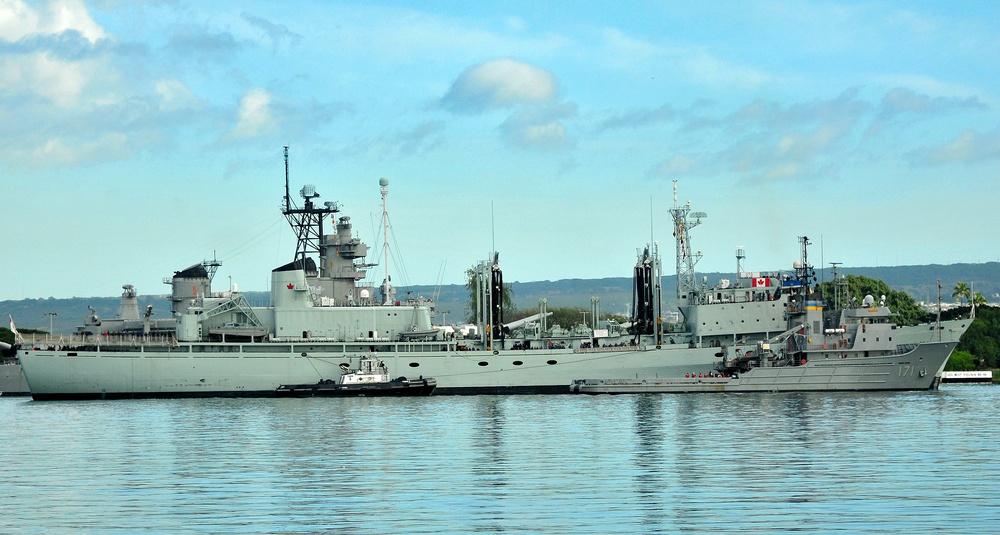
[684, 221]
[307, 222]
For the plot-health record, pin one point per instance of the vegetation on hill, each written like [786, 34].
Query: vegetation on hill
[859, 286]
[982, 339]
[7, 336]
[472, 285]
[565, 317]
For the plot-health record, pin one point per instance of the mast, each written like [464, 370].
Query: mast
[387, 289]
[837, 285]
[686, 258]
[307, 222]
[938, 327]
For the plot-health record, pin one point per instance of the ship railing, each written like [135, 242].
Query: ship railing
[609, 349]
[51, 342]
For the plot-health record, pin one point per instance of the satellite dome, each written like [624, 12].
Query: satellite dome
[383, 181]
[796, 265]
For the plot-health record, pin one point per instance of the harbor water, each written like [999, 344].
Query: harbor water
[910, 462]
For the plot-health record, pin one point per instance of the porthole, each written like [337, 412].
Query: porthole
[484, 363]
[550, 362]
[414, 364]
[517, 363]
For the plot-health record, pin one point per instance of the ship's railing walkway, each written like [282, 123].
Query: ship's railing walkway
[609, 349]
[61, 342]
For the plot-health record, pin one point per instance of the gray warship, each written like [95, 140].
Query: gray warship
[859, 348]
[324, 317]
[853, 347]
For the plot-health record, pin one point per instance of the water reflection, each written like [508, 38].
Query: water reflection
[650, 478]
[757, 463]
[489, 459]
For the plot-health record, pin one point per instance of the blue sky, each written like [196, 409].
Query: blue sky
[139, 138]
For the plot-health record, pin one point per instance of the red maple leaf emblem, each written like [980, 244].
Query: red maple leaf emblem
[291, 286]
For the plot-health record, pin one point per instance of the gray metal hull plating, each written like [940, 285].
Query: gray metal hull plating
[12, 382]
[256, 370]
[919, 369]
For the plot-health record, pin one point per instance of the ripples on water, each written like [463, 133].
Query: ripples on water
[763, 463]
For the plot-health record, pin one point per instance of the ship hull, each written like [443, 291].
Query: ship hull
[919, 369]
[250, 370]
[12, 382]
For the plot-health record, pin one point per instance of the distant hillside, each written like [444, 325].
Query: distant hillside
[615, 294]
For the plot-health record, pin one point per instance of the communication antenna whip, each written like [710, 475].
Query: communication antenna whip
[288, 201]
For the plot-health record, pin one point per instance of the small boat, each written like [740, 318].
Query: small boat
[371, 378]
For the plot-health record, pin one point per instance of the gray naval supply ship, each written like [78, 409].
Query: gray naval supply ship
[323, 320]
[855, 347]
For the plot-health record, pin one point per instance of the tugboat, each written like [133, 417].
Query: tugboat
[371, 378]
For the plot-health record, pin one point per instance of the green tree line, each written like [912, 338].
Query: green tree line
[980, 343]
[858, 286]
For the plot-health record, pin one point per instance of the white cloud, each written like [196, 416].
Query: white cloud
[539, 128]
[61, 82]
[969, 146]
[639, 118]
[18, 20]
[500, 83]
[109, 146]
[678, 164]
[254, 114]
[174, 95]
[72, 15]
[39, 69]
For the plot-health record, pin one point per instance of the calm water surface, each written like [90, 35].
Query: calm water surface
[749, 463]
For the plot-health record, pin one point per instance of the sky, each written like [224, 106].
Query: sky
[141, 137]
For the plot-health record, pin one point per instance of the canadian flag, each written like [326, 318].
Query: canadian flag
[761, 281]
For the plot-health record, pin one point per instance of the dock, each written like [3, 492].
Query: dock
[976, 377]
